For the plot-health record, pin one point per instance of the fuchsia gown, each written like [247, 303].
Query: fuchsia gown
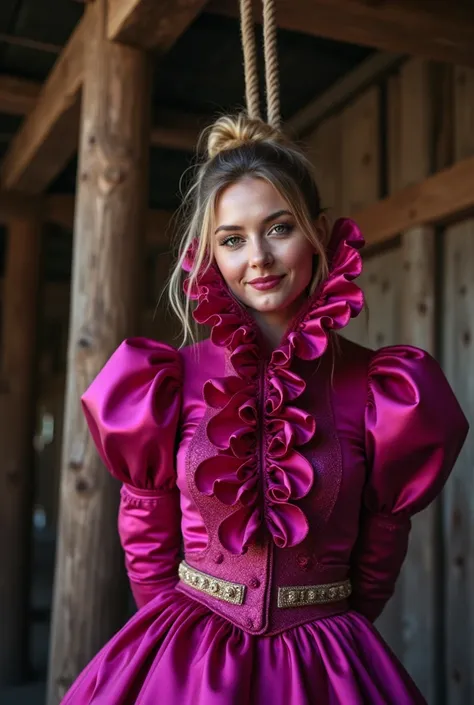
[266, 503]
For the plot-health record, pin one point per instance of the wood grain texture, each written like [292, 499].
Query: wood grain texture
[151, 24]
[420, 624]
[18, 96]
[360, 140]
[458, 356]
[48, 137]
[437, 29]
[173, 129]
[343, 91]
[90, 596]
[445, 196]
[323, 147]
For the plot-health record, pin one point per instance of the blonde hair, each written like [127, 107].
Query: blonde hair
[238, 147]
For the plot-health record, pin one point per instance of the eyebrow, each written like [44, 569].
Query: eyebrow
[267, 219]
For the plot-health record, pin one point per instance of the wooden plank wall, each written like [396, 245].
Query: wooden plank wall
[418, 589]
[458, 353]
[419, 290]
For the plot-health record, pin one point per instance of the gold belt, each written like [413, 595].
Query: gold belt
[291, 596]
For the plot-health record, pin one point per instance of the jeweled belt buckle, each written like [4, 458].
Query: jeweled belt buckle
[305, 595]
[215, 587]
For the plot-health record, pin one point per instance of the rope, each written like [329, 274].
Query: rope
[270, 48]
[249, 49]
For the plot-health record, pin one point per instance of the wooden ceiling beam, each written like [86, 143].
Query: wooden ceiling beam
[151, 24]
[48, 136]
[17, 95]
[16, 205]
[439, 29]
[180, 131]
[173, 130]
[442, 198]
[343, 91]
[59, 209]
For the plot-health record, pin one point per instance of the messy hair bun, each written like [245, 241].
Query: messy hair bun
[231, 132]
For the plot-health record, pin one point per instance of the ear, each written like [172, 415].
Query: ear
[323, 227]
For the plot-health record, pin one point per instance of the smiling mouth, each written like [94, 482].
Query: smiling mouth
[266, 283]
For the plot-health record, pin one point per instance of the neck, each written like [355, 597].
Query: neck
[273, 325]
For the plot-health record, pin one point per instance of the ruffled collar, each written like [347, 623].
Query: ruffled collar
[330, 307]
[264, 486]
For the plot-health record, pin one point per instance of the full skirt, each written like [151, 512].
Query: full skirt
[175, 651]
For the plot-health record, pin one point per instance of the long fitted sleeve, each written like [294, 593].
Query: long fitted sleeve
[132, 409]
[415, 429]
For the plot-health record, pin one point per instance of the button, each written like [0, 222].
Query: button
[249, 623]
[219, 558]
[254, 583]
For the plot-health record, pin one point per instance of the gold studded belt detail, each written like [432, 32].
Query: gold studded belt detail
[222, 589]
[306, 595]
[292, 596]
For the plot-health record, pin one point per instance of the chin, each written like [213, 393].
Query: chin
[274, 304]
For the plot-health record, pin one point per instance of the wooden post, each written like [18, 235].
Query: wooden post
[89, 599]
[16, 440]
[458, 356]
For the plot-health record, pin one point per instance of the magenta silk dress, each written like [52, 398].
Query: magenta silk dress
[266, 503]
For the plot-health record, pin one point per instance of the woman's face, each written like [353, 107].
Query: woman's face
[264, 257]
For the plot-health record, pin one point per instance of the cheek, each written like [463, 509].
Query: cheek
[231, 266]
[300, 259]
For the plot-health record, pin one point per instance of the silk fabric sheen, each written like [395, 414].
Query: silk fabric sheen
[269, 470]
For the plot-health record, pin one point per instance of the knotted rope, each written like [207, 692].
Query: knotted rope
[270, 49]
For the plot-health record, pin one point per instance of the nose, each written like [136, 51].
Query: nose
[260, 254]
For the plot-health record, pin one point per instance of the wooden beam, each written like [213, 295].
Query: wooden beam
[180, 131]
[444, 197]
[109, 225]
[17, 205]
[151, 24]
[17, 410]
[27, 43]
[17, 95]
[343, 91]
[48, 137]
[439, 29]
[59, 208]
[173, 129]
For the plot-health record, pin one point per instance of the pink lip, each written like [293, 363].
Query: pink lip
[265, 283]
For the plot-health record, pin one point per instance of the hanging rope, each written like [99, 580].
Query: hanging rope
[249, 48]
[270, 48]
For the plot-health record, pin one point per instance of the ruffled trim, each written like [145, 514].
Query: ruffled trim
[256, 429]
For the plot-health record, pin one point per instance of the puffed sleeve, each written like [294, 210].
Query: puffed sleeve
[415, 430]
[132, 409]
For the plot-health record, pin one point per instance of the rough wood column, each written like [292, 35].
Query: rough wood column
[89, 601]
[16, 440]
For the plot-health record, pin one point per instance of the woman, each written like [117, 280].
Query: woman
[286, 460]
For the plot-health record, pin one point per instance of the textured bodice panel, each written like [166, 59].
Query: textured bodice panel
[336, 456]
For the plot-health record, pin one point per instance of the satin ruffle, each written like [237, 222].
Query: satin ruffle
[257, 429]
